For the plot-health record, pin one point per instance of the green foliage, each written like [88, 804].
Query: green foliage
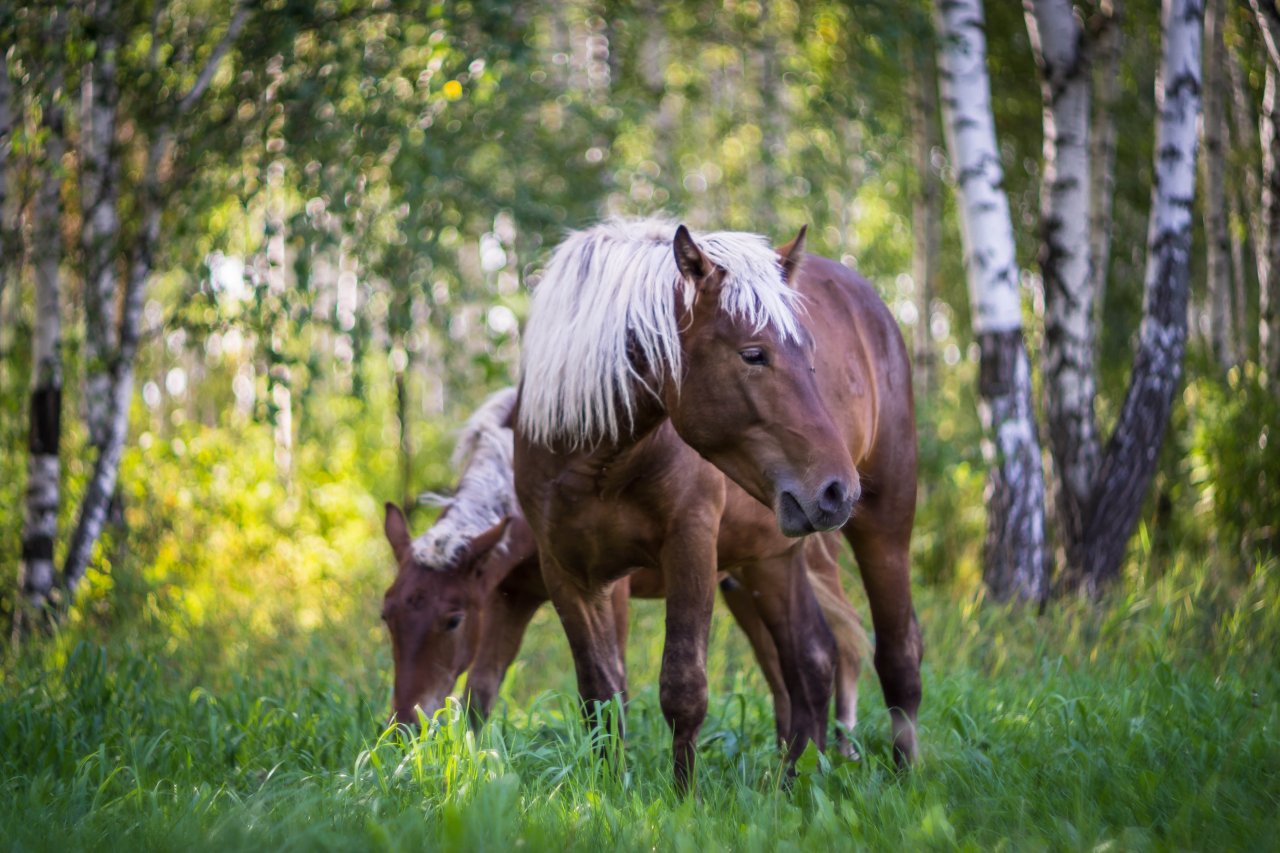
[1238, 478]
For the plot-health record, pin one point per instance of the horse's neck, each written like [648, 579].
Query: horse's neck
[647, 451]
[486, 490]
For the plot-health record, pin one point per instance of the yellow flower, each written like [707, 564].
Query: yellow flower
[453, 90]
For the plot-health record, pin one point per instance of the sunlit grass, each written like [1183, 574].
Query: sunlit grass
[1151, 722]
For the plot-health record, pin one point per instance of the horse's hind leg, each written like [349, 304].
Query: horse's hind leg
[884, 561]
[806, 647]
[742, 605]
[845, 623]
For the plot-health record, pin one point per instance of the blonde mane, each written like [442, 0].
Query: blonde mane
[486, 491]
[615, 286]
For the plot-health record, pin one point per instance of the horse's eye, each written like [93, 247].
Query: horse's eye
[452, 621]
[755, 356]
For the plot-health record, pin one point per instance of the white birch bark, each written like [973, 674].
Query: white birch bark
[102, 483]
[1269, 287]
[101, 225]
[106, 469]
[1130, 461]
[1057, 40]
[1102, 150]
[40, 524]
[1217, 240]
[1013, 555]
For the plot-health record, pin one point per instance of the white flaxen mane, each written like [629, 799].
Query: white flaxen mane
[486, 491]
[616, 285]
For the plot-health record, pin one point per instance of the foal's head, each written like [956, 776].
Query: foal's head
[434, 616]
[749, 401]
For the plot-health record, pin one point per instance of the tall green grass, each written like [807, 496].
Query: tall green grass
[1151, 722]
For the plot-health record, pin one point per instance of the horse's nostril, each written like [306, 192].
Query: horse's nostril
[833, 497]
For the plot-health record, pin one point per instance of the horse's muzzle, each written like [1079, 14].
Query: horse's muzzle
[829, 510]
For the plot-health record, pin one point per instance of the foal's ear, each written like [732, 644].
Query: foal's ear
[791, 254]
[690, 259]
[479, 549]
[397, 530]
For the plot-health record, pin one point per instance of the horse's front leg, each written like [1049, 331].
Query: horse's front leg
[742, 604]
[588, 617]
[505, 622]
[689, 571]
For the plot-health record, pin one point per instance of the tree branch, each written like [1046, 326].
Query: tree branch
[187, 101]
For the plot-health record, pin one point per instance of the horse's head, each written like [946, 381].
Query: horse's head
[749, 401]
[434, 616]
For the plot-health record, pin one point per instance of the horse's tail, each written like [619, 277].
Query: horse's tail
[852, 643]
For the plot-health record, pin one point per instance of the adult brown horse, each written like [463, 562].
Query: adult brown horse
[790, 377]
[463, 594]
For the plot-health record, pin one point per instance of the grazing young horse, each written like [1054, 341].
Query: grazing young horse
[788, 374]
[463, 596]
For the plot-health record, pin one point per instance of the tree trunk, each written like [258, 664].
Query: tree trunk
[1246, 140]
[1239, 274]
[1108, 41]
[772, 121]
[1057, 40]
[1134, 448]
[6, 144]
[1013, 555]
[926, 210]
[40, 527]
[106, 469]
[1268, 17]
[1269, 287]
[1217, 240]
[101, 224]
[406, 432]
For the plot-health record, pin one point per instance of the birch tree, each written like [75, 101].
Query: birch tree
[1269, 288]
[1218, 242]
[1057, 39]
[151, 195]
[40, 524]
[99, 217]
[1013, 552]
[1245, 137]
[6, 144]
[1108, 41]
[1130, 459]
[1268, 18]
[926, 210]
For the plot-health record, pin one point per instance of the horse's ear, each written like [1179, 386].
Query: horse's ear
[690, 259]
[397, 530]
[479, 547]
[791, 254]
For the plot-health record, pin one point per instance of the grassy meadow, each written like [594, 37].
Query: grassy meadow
[233, 693]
